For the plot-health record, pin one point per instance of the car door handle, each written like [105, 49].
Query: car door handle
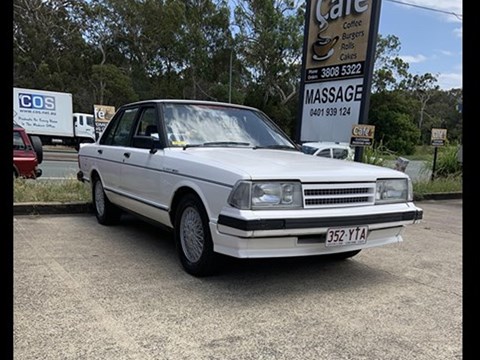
[100, 151]
[127, 155]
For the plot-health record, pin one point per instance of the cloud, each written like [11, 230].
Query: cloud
[444, 8]
[448, 81]
[413, 59]
[446, 52]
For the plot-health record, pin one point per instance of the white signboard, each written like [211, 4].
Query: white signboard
[330, 109]
[337, 67]
[43, 112]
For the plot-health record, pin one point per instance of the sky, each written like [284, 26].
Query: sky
[431, 41]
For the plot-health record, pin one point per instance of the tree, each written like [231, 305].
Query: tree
[391, 113]
[422, 87]
[389, 68]
[48, 48]
[270, 43]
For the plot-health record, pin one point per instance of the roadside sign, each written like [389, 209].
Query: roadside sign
[438, 137]
[103, 114]
[362, 135]
[337, 67]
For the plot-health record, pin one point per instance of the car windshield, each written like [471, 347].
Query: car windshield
[309, 149]
[216, 125]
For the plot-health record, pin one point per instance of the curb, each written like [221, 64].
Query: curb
[52, 208]
[56, 208]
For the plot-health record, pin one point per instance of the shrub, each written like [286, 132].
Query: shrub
[447, 163]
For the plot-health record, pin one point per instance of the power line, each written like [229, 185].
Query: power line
[459, 16]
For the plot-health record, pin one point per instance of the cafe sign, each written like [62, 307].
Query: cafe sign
[438, 137]
[337, 67]
[362, 135]
[103, 114]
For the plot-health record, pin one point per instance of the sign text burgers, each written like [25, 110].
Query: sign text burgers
[336, 61]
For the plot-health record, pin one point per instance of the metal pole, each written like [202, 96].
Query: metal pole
[434, 163]
[230, 80]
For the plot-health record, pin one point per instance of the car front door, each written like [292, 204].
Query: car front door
[142, 178]
[111, 149]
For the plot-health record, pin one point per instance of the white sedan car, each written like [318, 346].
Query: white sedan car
[334, 150]
[228, 181]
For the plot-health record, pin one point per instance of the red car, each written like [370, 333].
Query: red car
[27, 154]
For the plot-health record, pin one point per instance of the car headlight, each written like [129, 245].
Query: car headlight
[248, 195]
[393, 190]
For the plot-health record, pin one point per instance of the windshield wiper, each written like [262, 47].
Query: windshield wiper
[278, 147]
[226, 143]
[217, 143]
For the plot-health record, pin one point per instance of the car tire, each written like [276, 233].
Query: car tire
[38, 147]
[343, 255]
[105, 212]
[193, 239]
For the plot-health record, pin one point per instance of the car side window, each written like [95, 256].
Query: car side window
[340, 154]
[119, 133]
[18, 143]
[324, 153]
[147, 125]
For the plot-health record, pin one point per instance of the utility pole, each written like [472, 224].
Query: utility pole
[230, 79]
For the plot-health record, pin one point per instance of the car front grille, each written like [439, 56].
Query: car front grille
[338, 194]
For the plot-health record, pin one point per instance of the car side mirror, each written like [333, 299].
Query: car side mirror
[154, 144]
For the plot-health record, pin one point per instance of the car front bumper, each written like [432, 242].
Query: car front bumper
[250, 236]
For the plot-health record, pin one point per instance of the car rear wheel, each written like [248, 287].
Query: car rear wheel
[38, 147]
[192, 237]
[105, 211]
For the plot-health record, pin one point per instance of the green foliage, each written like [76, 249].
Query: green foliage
[118, 86]
[447, 163]
[376, 154]
[394, 126]
[449, 184]
[389, 68]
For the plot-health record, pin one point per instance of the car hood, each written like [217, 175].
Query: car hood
[268, 164]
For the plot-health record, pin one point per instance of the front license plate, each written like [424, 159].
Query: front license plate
[346, 236]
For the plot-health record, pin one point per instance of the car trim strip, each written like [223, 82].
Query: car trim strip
[279, 224]
[160, 207]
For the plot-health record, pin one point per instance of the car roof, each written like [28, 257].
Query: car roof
[188, 101]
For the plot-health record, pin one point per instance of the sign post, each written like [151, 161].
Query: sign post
[337, 67]
[438, 138]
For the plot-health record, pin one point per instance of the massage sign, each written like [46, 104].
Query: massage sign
[339, 36]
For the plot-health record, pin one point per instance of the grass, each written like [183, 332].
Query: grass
[439, 185]
[72, 190]
[63, 191]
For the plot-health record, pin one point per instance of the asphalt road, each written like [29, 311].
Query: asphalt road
[86, 291]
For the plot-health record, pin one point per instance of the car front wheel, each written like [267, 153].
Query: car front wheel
[105, 211]
[192, 237]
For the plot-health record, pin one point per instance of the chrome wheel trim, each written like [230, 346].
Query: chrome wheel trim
[192, 236]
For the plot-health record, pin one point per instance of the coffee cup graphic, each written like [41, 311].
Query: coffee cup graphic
[323, 48]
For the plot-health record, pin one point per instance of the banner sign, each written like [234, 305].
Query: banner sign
[103, 114]
[337, 66]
